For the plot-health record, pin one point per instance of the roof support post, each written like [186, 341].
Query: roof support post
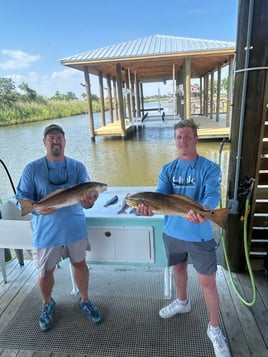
[137, 93]
[128, 93]
[180, 105]
[177, 74]
[218, 95]
[174, 86]
[187, 88]
[110, 99]
[133, 101]
[206, 95]
[201, 96]
[141, 96]
[89, 103]
[102, 99]
[230, 91]
[211, 94]
[116, 99]
[120, 98]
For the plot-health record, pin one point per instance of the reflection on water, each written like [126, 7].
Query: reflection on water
[133, 162]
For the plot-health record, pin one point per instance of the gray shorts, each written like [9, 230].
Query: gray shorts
[47, 258]
[202, 254]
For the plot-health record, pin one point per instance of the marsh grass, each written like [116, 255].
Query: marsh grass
[22, 112]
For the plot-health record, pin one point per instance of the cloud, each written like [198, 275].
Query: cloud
[66, 73]
[67, 80]
[12, 59]
[70, 80]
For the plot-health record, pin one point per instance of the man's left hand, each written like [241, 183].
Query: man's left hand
[195, 217]
[89, 199]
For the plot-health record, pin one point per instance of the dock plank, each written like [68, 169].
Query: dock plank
[246, 329]
[214, 133]
[259, 310]
[114, 129]
[247, 320]
[228, 312]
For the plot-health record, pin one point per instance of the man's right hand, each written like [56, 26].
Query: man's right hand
[46, 210]
[145, 210]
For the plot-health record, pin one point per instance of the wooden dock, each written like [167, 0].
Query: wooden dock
[209, 130]
[214, 133]
[115, 130]
[246, 327]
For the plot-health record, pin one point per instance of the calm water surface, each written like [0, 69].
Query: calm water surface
[132, 162]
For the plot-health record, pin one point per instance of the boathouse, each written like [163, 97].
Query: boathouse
[127, 66]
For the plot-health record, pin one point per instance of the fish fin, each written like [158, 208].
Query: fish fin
[188, 200]
[54, 193]
[27, 206]
[220, 216]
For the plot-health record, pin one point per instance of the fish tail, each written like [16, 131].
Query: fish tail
[27, 206]
[220, 216]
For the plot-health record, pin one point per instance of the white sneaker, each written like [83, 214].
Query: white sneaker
[176, 307]
[220, 346]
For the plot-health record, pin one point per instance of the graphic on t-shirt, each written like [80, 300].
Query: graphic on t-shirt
[181, 181]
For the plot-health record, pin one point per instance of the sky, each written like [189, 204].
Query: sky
[35, 35]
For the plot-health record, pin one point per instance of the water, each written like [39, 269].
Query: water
[117, 162]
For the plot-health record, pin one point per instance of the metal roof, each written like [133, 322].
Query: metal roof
[164, 51]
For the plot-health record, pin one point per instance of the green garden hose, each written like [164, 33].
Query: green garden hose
[252, 280]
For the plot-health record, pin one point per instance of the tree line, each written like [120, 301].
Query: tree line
[28, 106]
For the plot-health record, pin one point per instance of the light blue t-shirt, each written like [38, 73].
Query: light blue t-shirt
[66, 225]
[199, 179]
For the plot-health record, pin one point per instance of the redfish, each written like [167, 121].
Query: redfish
[178, 205]
[63, 197]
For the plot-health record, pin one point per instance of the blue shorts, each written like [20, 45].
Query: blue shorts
[202, 254]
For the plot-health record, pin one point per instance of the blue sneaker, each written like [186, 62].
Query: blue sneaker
[91, 311]
[46, 318]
